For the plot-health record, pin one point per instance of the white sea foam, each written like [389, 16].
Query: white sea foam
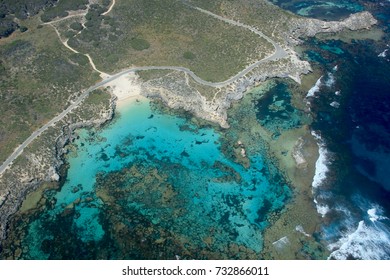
[342, 209]
[383, 54]
[370, 240]
[335, 104]
[315, 88]
[330, 81]
[366, 242]
[374, 216]
[321, 163]
[322, 208]
[320, 172]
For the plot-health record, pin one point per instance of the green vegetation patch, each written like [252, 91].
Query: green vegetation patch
[22, 9]
[189, 55]
[23, 29]
[79, 58]
[77, 26]
[97, 97]
[38, 77]
[139, 44]
[7, 27]
[70, 34]
[152, 74]
[268, 18]
[172, 31]
[62, 8]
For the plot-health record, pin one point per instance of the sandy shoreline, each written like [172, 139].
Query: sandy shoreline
[126, 88]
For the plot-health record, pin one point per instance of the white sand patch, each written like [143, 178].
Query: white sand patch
[281, 243]
[299, 228]
[125, 87]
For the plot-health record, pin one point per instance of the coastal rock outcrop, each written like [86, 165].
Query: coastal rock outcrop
[307, 27]
[177, 93]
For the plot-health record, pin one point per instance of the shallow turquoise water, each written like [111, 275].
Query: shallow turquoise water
[322, 9]
[214, 196]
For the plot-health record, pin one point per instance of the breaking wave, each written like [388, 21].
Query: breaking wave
[367, 239]
[315, 88]
[361, 233]
[321, 171]
[328, 81]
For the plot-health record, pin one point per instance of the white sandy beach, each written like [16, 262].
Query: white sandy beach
[126, 88]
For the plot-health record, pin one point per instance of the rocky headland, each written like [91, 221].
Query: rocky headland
[177, 92]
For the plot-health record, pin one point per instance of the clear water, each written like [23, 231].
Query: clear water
[275, 111]
[321, 9]
[155, 186]
[167, 171]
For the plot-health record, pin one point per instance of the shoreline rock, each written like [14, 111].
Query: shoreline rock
[178, 94]
[309, 27]
[17, 190]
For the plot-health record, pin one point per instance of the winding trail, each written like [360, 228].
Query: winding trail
[53, 121]
[109, 9]
[278, 54]
[64, 18]
[65, 43]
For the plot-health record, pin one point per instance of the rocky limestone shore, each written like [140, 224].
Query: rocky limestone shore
[42, 165]
[177, 93]
[307, 27]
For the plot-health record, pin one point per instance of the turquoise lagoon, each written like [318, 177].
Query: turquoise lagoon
[321, 9]
[155, 185]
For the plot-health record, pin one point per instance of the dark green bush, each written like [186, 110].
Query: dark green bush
[23, 29]
[70, 34]
[7, 27]
[79, 58]
[139, 44]
[189, 55]
[60, 10]
[76, 26]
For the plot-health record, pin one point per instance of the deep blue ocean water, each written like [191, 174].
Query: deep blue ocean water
[352, 115]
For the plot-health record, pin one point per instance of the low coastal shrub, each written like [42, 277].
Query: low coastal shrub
[77, 26]
[139, 44]
[189, 55]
